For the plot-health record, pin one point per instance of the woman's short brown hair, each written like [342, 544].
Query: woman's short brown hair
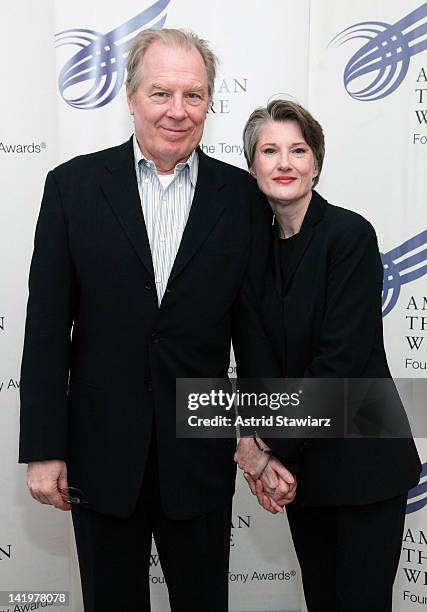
[285, 110]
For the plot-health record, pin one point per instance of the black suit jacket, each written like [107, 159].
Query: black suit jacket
[327, 322]
[101, 358]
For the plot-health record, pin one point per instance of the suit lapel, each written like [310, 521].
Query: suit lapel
[205, 211]
[276, 253]
[120, 187]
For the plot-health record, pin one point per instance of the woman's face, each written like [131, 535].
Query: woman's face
[284, 164]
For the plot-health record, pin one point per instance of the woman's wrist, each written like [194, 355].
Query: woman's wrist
[260, 445]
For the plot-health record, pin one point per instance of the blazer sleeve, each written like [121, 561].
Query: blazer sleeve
[352, 321]
[46, 355]
[254, 354]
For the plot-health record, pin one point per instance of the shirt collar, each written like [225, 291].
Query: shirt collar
[192, 163]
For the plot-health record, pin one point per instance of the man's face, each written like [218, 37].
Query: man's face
[170, 104]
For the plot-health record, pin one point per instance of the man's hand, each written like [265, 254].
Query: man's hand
[44, 479]
[275, 488]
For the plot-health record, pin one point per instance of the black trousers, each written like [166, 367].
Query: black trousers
[114, 555]
[348, 555]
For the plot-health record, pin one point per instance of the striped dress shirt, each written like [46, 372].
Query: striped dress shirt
[165, 210]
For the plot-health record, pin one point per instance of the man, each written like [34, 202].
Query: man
[142, 272]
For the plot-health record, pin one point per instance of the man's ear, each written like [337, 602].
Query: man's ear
[130, 103]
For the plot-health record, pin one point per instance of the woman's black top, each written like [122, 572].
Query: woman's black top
[286, 246]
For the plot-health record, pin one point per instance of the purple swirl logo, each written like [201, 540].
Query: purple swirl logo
[380, 66]
[418, 494]
[403, 264]
[100, 62]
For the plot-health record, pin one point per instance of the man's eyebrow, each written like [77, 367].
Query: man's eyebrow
[159, 86]
[195, 87]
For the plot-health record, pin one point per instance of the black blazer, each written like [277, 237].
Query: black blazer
[327, 322]
[101, 358]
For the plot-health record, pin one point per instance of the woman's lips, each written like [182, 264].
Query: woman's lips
[285, 180]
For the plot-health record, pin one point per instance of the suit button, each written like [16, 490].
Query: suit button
[155, 338]
[149, 385]
[148, 285]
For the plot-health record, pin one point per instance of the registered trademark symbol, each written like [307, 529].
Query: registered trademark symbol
[43, 145]
[300, 391]
[293, 573]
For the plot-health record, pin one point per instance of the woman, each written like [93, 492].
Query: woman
[322, 312]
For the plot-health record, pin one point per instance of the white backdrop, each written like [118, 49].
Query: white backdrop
[375, 164]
